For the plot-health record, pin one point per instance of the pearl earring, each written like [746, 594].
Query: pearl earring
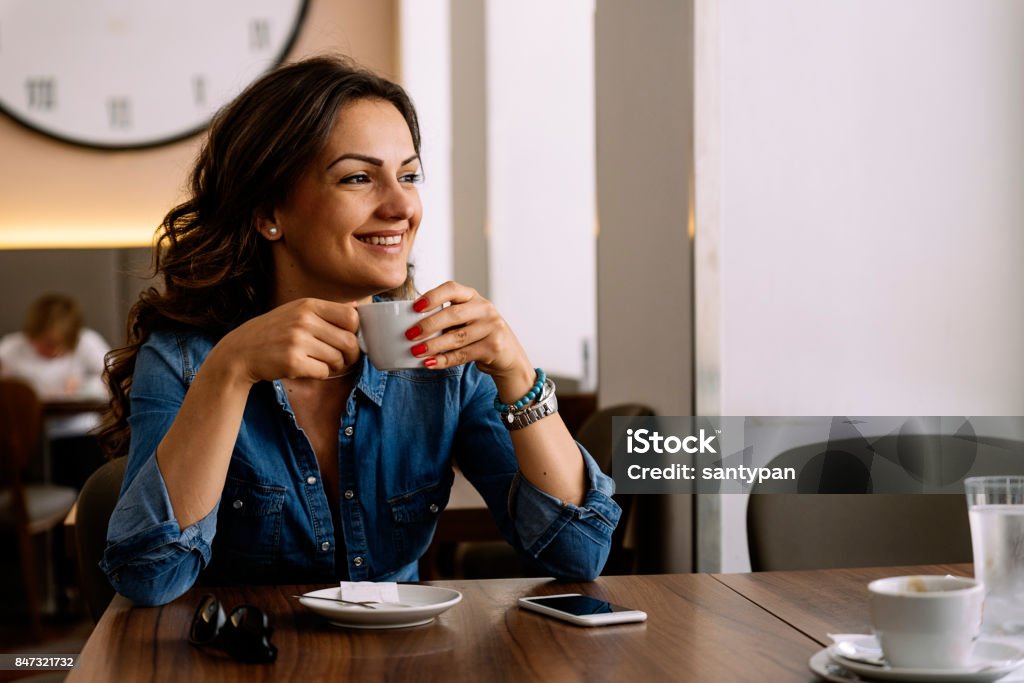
[272, 231]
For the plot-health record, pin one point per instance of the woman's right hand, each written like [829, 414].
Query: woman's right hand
[305, 338]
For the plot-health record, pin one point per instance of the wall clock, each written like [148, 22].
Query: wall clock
[120, 74]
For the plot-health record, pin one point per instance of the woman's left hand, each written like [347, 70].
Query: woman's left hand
[472, 330]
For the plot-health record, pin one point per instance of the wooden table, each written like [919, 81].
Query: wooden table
[701, 627]
[61, 407]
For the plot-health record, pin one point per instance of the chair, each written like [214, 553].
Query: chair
[95, 505]
[630, 537]
[28, 509]
[830, 530]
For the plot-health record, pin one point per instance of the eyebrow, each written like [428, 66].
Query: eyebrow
[370, 160]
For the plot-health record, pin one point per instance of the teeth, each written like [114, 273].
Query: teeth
[390, 240]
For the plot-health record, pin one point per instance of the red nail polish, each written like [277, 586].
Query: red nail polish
[418, 349]
[430, 362]
[413, 332]
[420, 306]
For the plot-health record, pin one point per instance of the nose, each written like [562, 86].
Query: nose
[398, 202]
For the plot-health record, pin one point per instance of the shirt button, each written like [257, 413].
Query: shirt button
[237, 505]
[358, 561]
[325, 546]
[349, 431]
[350, 494]
[434, 508]
[310, 480]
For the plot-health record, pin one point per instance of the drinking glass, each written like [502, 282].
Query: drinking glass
[995, 506]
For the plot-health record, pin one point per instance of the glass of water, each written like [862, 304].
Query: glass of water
[995, 506]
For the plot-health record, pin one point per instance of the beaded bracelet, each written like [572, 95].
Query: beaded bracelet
[530, 396]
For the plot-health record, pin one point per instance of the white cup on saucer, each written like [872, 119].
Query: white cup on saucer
[926, 622]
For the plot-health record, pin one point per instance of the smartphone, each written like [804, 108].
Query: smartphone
[582, 610]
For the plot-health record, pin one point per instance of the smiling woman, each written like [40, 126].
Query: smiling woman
[258, 435]
[346, 229]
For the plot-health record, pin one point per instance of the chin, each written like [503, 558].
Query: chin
[386, 284]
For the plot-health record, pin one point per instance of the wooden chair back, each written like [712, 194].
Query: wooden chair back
[21, 427]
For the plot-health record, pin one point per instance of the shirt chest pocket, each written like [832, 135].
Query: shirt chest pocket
[249, 521]
[415, 516]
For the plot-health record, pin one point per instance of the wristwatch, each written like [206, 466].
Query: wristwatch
[545, 405]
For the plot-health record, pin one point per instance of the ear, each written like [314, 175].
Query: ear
[267, 226]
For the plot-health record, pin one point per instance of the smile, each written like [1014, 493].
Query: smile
[382, 240]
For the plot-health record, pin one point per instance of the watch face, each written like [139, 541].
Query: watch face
[135, 73]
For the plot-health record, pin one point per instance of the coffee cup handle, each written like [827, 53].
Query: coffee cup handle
[360, 340]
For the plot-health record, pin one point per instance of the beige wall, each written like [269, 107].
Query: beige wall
[46, 184]
[644, 101]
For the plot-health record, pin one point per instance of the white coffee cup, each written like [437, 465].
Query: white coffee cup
[928, 622]
[382, 327]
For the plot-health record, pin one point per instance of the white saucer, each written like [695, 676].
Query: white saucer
[420, 604]
[1003, 658]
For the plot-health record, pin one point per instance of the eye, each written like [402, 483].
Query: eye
[355, 179]
[411, 178]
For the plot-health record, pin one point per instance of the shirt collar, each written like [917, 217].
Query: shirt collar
[372, 381]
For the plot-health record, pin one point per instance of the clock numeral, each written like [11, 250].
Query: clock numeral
[199, 90]
[42, 93]
[120, 111]
[259, 34]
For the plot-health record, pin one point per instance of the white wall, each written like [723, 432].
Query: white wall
[540, 175]
[425, 62]
[866, 199]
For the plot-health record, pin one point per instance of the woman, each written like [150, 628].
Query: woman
[61, 360]
[55, 352]
[263, 446]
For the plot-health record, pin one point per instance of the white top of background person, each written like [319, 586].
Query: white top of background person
[59, 358]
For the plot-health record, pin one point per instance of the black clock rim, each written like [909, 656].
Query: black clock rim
[278, 59]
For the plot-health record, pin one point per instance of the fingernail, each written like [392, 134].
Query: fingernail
[420, 306]
[430, 362]
[419, 349]
[413, 332]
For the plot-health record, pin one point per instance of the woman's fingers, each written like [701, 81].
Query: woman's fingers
[471, 329]
[343, 316]
[305, 338]
[453, 339]
[449, 292]
[455, 315]
[476, 351]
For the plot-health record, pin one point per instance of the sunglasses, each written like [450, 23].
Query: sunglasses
[244, 634]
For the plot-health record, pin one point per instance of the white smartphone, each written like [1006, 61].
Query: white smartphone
[582, 610]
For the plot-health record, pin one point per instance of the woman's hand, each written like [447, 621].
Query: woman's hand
[472, 330]
[305, 338]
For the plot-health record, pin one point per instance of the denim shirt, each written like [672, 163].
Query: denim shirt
[397, 440]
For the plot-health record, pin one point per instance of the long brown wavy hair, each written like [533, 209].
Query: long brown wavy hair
[216, 269]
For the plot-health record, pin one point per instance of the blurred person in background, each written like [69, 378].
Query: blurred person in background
[62, 361]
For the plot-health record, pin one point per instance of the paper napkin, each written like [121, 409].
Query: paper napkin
[369, 591]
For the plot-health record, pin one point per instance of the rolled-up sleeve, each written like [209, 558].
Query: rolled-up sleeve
[148, 558]
[569, 541]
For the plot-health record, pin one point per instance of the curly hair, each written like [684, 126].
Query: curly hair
[215, 269]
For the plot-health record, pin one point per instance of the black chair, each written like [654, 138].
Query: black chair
[823, 531]
[858, 529]
[635, 531]
[95, 505]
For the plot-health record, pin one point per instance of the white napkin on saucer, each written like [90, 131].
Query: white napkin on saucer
[369, 591]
